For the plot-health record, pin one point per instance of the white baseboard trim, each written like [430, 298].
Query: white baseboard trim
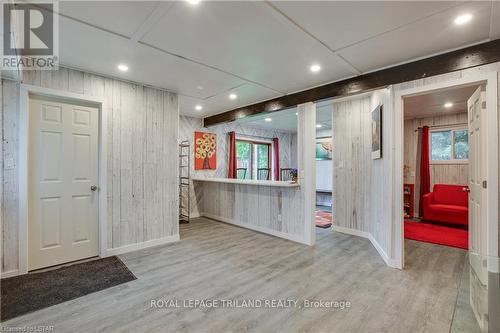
[8, 274]
[388, 261]
[350, 231]
[263, 230]
[494, 264]
[139, 246]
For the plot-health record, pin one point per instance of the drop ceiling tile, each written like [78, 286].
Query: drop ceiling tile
[342, 23]
[495, 20]
[247, 94]
[122, 17]
[249, 39]
[101, 52]
[435, 34]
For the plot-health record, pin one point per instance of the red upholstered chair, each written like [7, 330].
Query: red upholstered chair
[447, 204]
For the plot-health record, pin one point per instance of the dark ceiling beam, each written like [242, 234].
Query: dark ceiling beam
[472, 56]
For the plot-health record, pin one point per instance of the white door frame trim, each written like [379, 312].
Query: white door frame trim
[491, 80]
[24, 94]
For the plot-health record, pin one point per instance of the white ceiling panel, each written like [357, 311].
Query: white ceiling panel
[246, 94]
[249, 39]
[495, 20]
[435, 34]
[342, 23]
[123, 17]
[432, 104]
[187, 106]
[87, 48]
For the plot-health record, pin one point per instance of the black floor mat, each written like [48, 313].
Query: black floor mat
[38, 290]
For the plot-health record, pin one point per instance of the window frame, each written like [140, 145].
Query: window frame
[452, 152]
[251, 161]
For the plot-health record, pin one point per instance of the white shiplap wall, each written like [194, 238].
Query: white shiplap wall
[141, 150]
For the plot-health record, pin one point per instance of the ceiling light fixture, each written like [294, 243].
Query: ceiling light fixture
[448, 104]
[315, 68]
[123, 67]
[268, 119]
[194, 2]
[198, 107]
[319, 125]
[232, 96]
[462, 19]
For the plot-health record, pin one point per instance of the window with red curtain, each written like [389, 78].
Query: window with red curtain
[276, 158]
[232, 156]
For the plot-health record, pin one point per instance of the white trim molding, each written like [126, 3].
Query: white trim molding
[359, 233]
[24, 93]
[491, 81]
[140, 246]
[9, 274]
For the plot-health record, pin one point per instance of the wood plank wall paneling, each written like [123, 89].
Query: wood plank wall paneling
[187, 126]
[273, 210]
[440, 173]
[362, 186]
[351, 121]
[142, 132]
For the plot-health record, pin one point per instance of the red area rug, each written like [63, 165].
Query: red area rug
[436, 234]
[323, 219]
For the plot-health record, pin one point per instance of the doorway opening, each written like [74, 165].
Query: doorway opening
[324, 165]
[474, 207]
[437, 166]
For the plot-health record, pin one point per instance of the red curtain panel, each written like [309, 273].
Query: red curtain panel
[232, 156]
[276, 157]
[425, 178]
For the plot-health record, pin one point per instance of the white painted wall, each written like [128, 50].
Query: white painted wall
[142, 167]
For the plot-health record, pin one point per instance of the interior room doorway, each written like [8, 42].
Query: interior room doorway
[474, 136]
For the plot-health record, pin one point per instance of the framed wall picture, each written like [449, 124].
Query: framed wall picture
[377, 133]
[205, 149]
[324, 148]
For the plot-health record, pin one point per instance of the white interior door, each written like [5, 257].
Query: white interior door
[477, 205]
[63, 179]
[477, 183]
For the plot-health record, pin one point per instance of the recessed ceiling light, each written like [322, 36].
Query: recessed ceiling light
[448, 105]
[268, 119]
[198, 107]
[315, 68]
[194, 2]
[319, 125]
[462, 19]
[232, 96]
[296, 113]
[123, 67]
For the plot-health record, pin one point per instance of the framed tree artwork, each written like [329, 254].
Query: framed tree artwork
[205, 149]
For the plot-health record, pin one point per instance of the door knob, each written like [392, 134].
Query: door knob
[466, 189]
[93, 188]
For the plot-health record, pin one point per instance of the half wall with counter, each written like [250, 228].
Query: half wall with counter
[271, 207]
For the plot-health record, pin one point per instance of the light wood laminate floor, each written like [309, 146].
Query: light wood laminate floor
[214, 260]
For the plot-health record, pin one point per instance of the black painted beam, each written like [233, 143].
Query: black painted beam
[472, 56]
